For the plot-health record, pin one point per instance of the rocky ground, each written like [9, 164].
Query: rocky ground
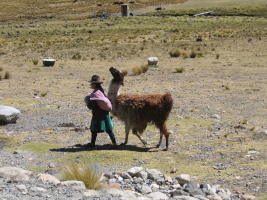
[67, 119]
[218, 121]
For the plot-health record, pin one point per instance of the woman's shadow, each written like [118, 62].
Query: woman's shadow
[81, 147]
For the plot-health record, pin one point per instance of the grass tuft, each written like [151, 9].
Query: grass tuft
[227, 87]
[175, 53]
[124, 72]
[7, 75]
[90, 176]
[144, 68]
[180, 69]
[184, 54]
[35, 61]
[193, 54]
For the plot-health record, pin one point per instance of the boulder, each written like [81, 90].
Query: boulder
[133, 171]
[125, 175]
[8, 114]
[8, 172]
[152, 61]
[154, 174]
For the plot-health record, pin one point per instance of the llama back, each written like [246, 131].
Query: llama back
[151, 108]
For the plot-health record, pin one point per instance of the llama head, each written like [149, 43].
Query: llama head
[118, 77]
[115, 83]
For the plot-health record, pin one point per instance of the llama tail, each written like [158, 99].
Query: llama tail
[167, 101]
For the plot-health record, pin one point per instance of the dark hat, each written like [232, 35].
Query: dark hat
[95, 79]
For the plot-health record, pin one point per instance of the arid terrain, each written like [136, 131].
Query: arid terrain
[219, 118]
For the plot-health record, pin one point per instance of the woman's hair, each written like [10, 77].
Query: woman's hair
[99, 86]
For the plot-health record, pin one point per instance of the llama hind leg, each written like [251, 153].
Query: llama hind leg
[166, 133]
[167, 136]
[136, 133]
[160, 140]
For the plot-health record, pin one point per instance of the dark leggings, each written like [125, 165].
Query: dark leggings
[110, 133]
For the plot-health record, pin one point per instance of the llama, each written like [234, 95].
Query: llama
[136, 111]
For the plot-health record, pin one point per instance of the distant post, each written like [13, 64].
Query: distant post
[125, 10]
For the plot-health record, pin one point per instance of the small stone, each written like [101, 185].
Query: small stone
[248, 197]
[174, 170]
[47, 178]
[158, 196]
[133, 171]
[215, 116]
[183, 179]
[22, 188]
[91, 193]
[145, 189]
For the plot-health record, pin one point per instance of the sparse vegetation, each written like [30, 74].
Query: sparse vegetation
[175, 53]
[179, 69]
[43, 94]
[244, 121]
[227, 87]
[137, 70]
[76, 56]
[7, 75]
[124, 72]
[184, 54]
[35, 61]
[144, 68]
[193, 54]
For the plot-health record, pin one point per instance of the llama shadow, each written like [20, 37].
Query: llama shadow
[106, 147]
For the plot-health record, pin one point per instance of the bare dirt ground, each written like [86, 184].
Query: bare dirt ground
[218, 122]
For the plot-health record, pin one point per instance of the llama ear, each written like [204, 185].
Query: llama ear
[122, 78]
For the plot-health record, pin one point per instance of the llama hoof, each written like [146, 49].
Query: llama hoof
[145, 142]
[123, 144]
[165, 149]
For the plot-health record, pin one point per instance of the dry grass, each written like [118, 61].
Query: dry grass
[89, 176]
[68, 9]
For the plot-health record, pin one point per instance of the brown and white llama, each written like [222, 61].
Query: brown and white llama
[136, 111]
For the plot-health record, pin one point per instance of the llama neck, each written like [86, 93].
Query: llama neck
[113, 90]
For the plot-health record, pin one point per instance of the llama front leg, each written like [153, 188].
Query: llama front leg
[127, 131]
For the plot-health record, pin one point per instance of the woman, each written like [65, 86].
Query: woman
[100, 106]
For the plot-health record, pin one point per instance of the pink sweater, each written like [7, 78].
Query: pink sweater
[102, 101]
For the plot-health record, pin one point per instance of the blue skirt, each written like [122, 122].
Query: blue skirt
[100, 126]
